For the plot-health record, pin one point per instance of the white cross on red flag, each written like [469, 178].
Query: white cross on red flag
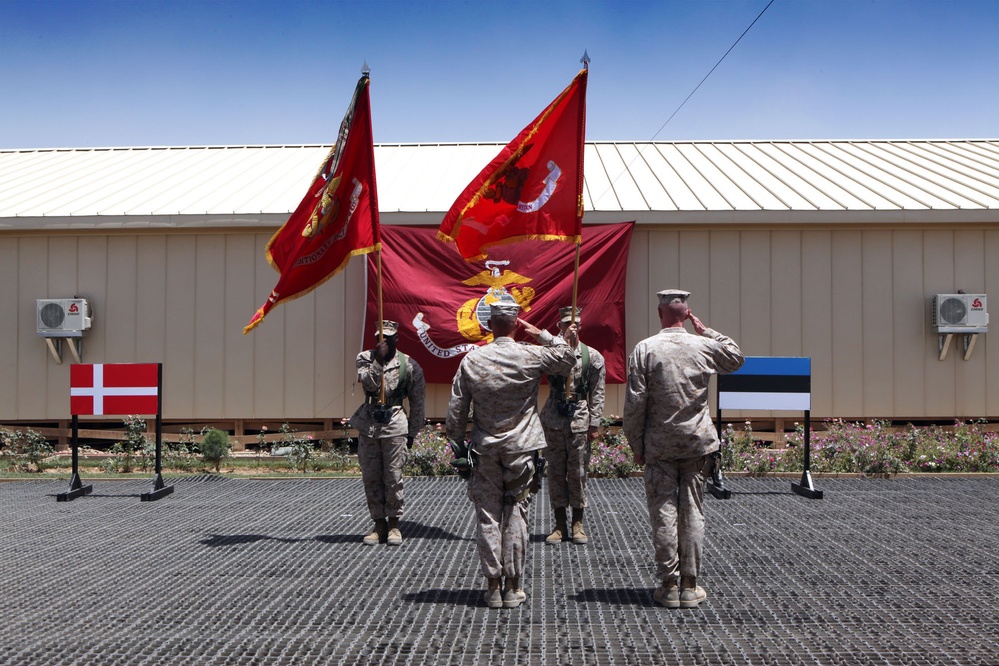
[114, 388]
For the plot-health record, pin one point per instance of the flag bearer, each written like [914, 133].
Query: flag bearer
[385, 431]
[571, 418]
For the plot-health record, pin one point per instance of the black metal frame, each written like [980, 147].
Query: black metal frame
[159, 488]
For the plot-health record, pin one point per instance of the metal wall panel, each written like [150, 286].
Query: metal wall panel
[938, 277]
[910, 333]
[877, 367]
[12, 326]
[241, 260]
[856, 301]
[33, 369]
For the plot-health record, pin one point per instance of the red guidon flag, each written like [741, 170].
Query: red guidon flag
[533, 189]
[442, 302]
[114, 388]
[337, 219]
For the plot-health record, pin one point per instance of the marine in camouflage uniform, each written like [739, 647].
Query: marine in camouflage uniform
[501, 380]
[385, 435]
[669, 428]
[571, 419]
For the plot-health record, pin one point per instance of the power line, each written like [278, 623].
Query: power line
[734, 44]
[711, 71]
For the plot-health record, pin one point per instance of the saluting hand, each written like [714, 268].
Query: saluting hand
[530, 328]
[698, 326]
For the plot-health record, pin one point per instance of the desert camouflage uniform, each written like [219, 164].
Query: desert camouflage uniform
[502, 380]
[666, 419]
[568, 452]
[381, 451]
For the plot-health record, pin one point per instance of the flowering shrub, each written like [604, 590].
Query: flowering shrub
[611, 455]
[298, 449]
[874, 448]
[431, 455]
[742, 452]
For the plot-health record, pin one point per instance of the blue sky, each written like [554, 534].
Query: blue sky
[141, 73]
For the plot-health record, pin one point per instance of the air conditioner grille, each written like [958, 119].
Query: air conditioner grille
[52, 315]
[953, 311]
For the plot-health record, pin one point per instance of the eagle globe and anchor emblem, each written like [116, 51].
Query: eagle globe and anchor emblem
[473, 316]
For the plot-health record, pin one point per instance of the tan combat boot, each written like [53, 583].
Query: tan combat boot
[513, 596]
[667, 594]
[560, 531]
[394, 537]
[691, 594]
[578, 535]
[378, 533]
[494, 595]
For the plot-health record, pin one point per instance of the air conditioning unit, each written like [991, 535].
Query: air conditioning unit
[960, 313]
[62, 317]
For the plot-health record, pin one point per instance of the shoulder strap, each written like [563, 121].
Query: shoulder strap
[584, 375]
[402, 367]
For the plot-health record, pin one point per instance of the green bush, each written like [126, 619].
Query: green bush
[301, 451]
[214, 447]
[28, 449]
[134, 448]
[180, 455]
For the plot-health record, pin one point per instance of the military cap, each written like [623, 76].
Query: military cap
[501, 308]
[388, 328]
[667, 295]
[565, 314]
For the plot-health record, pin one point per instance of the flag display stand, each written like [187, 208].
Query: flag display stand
[768, 382]
[116, 388]
[76, 487]
[159, 488]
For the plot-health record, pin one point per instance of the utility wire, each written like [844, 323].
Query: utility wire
[734, 44]
[712, 70]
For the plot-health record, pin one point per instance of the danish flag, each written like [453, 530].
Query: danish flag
[114, 388]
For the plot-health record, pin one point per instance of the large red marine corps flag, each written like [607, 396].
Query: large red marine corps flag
[337, 219]
[442, 302]
[533, 189]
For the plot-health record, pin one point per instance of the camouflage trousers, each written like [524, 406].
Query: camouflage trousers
[568, 457]
[381, 461]
[502, 536]
[675, 493]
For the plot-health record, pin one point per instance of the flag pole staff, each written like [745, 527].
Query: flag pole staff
[381, 318]
[570, 391]
[366, 72]
[579, 204]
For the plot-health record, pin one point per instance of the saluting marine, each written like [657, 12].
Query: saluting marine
[669, 428]
[502, 380]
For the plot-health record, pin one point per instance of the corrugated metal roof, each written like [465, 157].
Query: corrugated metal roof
[239, 184]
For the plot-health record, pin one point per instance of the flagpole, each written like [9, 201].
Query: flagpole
[575, 282]
[585, 60]
[381, 318]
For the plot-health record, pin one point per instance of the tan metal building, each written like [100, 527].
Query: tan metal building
[826, 249]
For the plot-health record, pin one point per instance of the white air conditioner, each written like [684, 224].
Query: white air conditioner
[62, 317]
[960, 313]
